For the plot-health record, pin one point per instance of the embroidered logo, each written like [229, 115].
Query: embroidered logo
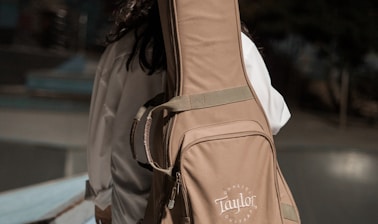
[237, 204]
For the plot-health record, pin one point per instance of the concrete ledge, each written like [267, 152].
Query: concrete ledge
[58, 201]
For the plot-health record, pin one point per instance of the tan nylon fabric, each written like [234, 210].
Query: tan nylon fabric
[185, 103]
[224, 157]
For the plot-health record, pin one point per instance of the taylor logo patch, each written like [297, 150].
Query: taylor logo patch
[237, 204]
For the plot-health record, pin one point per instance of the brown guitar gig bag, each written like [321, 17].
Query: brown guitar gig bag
[212, 153]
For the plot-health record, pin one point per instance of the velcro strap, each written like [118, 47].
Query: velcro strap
[208, 99]
[289, 212]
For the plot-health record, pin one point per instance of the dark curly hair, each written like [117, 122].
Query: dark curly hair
[142, 18]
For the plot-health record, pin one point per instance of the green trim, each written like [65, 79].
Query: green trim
[289, 212]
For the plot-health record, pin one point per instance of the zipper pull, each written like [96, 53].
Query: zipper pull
[175, 191]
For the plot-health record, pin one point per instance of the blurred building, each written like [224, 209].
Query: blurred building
[58, 24]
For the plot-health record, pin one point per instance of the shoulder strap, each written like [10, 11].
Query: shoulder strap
[193, 102]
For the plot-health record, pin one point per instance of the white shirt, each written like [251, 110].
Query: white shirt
[273, 103]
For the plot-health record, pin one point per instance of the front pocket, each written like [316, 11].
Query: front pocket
[228, 174]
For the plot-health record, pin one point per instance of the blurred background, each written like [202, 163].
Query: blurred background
[322, 57]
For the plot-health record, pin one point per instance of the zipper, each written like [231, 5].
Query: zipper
[175, 48]
[178, 188]
[170, 125]
[226, 136]
[175, 191]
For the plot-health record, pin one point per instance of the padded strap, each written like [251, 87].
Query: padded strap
[158, 99]
[193, 102]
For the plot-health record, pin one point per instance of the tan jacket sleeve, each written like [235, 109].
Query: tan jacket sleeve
[103, 107]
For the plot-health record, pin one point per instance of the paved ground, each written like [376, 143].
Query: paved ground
[309, 128]
[332, 172]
